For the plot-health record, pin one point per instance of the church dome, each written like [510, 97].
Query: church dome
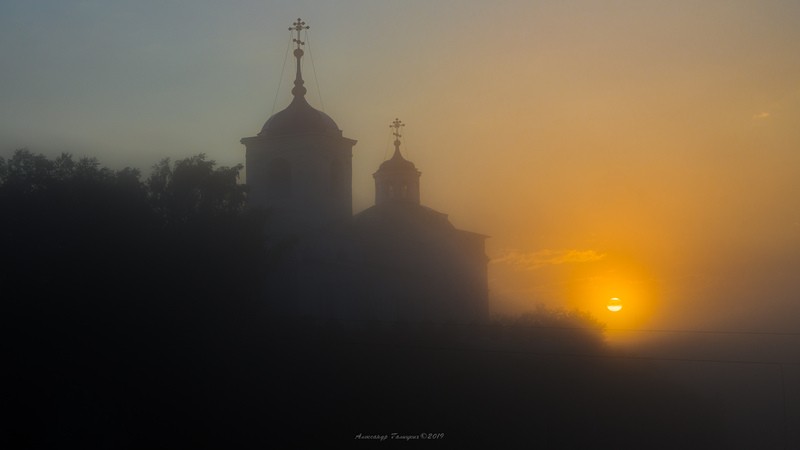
[299, 118]
[397, 162]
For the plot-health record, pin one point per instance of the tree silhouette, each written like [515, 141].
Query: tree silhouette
[193, 187]
[104, 273]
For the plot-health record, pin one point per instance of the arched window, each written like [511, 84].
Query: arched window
[279, 178]
[404, 192]
[391, 191]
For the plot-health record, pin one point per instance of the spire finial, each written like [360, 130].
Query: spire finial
[299, 90]
[397, 124]
[299, 26]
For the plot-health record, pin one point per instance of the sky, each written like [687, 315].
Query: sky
[646, 150]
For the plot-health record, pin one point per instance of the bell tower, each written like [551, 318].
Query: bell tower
[300, 166]
[397, 179]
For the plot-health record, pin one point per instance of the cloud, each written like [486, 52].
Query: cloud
[761, 115]
[547, 257]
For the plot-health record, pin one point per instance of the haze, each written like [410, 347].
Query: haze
[645, 150]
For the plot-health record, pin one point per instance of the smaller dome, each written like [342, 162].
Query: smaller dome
[299, 118]
[397, 162]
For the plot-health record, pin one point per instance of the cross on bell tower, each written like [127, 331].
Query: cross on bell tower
[299, 26]
[397, 124]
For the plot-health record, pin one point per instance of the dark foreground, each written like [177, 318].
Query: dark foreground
[135, 315]
[295, 383]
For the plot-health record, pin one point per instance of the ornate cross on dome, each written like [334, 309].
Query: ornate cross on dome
[299, 26]
[397, 124]
[299, 90]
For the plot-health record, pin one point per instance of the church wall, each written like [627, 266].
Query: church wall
[426, 275]
[320, 177]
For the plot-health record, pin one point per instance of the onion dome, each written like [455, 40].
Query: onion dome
[397, 162]
[299, 117]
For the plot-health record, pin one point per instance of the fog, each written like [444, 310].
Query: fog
[659, 136]
[644, 150]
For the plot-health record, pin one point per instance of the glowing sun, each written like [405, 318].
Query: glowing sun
[614, 305]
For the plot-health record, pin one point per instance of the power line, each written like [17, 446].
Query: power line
[280, 79]
[314, 69]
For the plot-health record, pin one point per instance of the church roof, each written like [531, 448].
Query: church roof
[397, 162]
[299, 118]
[394, 219]
[390, 215]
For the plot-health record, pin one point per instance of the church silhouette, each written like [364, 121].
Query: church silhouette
[395, 261]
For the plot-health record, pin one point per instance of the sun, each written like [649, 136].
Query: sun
[614, 305]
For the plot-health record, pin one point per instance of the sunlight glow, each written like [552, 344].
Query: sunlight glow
[614, 305]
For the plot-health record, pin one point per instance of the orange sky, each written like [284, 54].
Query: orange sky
[643, 149]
